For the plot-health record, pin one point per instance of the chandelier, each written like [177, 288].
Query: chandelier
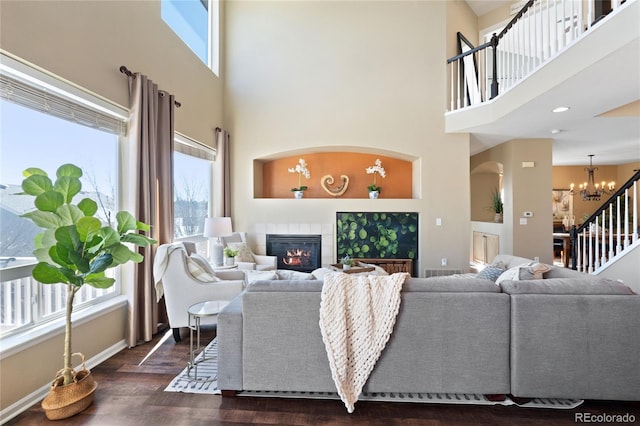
[591, 191]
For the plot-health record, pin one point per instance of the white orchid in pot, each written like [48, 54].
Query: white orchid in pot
[376, 169]
[76, 248]
[302, 170]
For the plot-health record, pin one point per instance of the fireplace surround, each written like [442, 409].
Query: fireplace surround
[326, 230]
[301, 252]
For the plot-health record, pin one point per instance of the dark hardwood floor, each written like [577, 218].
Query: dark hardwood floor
[129, 394]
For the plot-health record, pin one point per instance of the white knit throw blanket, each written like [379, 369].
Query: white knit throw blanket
[357, 315]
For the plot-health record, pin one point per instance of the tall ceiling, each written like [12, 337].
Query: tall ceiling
[603, 120]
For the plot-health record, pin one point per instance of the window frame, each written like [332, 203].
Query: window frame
[188, 146]
[213, 33]
[116, 118]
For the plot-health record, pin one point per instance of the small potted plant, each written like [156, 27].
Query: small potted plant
[230, 255]
[374, 190]
[496, 205]
[75, 248]
[301, 169]
[347, 263]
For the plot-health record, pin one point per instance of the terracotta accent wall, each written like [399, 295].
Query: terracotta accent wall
[277, 181]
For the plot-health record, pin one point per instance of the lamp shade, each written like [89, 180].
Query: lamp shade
[217, 227]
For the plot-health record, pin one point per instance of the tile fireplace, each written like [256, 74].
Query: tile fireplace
[301, 253]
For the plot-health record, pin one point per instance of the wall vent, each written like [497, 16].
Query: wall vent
[440, 272]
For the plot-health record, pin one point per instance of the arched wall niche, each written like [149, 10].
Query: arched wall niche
[485, 178]
[273, 180]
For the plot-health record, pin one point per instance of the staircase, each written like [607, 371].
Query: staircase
[538, 34]
[609, 233]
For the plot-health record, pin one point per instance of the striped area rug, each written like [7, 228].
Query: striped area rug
[425, 398]
[207, 382]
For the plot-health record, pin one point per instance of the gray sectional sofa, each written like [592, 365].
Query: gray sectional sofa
[569, 335]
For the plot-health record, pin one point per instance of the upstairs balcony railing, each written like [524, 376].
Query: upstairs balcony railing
[537, 33]
[609, 231]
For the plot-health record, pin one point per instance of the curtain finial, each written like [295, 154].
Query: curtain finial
[125, 70]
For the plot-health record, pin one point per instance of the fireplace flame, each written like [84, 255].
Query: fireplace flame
[296, 252]
[297, 257]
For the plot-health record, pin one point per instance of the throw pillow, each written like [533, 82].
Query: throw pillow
[203, 262]
[285, 274]
[511, 274]
[244, 254]
[321, 272]
[253, 276]
[490, 273]
[198, 272]
[529, 271]
[498, 264]
[533, 271]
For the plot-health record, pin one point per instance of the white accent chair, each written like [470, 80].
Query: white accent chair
[261, 262]
[182, 288]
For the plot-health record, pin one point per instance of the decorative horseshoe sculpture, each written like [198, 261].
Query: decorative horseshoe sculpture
[328, 180]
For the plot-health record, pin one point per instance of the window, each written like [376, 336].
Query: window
[45, 123]
[196, 23]
[192, 177]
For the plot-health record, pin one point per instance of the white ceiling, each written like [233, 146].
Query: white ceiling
[613, 81]
[480, 7]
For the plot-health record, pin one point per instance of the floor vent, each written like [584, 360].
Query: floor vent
[440, 272]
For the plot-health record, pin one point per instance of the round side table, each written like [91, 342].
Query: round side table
[196, 313]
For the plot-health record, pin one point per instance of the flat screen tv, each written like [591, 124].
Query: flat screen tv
[379, 235]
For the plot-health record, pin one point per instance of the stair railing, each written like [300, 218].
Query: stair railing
[537, 33]
[609, 231]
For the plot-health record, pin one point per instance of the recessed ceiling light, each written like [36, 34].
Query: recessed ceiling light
[561, 109]
[555, 131]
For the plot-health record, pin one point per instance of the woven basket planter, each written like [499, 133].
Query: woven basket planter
[65, 401]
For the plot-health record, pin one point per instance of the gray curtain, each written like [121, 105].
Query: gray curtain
[151, 134]
[222, 206]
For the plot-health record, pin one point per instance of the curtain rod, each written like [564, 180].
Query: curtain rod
[125, 70]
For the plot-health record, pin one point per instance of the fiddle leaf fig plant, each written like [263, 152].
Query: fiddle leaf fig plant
[76, 248]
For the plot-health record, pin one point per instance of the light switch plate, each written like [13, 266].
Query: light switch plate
[523, 221]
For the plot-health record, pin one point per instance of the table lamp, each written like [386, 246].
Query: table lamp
[217, 227]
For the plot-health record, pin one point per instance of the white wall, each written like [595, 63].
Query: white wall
[317, 75]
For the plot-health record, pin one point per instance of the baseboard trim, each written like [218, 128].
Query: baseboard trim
[34, 397]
